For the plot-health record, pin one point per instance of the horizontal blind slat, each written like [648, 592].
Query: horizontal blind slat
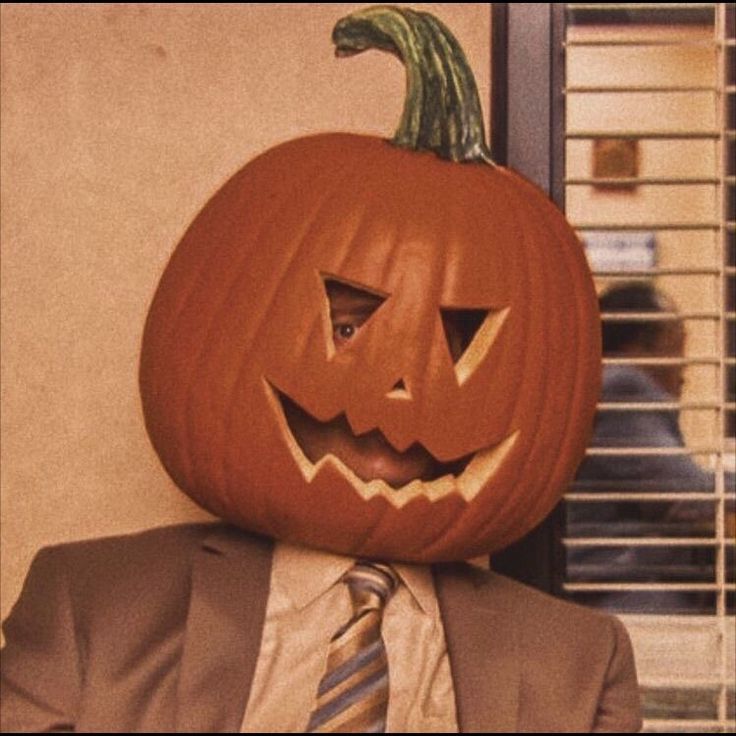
[644, 134]
[642, 181]
[637, 89]
[713, 404]
[623, 40]
[646, 226]
[673, 587]
[654, 450]
[639, 541]
[642, 496]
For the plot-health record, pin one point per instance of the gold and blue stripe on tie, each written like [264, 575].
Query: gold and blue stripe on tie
[353, 693]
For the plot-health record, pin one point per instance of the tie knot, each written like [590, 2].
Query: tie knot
[371, 584]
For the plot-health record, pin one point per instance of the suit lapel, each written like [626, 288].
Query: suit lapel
[483, 649]
[230, 583]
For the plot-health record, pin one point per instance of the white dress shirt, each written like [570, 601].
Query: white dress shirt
[306, 605]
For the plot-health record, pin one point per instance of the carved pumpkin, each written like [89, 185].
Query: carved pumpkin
[240, 343]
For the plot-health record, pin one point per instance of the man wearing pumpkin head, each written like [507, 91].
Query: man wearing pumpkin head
[373, 360]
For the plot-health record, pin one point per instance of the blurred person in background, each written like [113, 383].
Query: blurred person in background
[655, 383]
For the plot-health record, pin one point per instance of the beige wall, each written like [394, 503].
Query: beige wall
[118, 121]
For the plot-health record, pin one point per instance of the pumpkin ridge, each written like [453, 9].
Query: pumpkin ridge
[512, 260]
[213, 322]
[579, 407]
[560, 464]
[540, 503]
[560, 469]
[194, 285]
[288, 266]
[539, 506]
[503, 516]
[575, 264]
[375, 157]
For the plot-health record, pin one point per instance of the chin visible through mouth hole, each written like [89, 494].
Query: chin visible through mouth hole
[301, 422]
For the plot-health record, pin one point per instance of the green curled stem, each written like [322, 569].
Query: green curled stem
[442, 111]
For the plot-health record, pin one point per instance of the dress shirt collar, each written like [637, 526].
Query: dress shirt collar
[306, 574]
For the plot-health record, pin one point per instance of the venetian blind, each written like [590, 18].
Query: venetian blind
[650, 188]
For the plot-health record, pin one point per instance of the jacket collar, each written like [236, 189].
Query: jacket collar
[483, 647]
[230, 582]
[230, 585]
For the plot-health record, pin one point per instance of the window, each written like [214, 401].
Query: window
[625, 114]
[649, 146]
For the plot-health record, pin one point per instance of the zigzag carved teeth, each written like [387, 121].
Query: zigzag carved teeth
[467, 483]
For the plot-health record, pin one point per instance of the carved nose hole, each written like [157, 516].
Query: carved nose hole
[399, 391]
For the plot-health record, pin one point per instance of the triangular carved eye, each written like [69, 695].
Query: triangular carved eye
[470, 334]
[349, 307]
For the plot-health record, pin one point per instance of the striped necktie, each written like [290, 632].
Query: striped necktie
[353, 693]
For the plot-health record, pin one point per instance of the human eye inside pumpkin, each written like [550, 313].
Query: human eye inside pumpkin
[344, 330]
[349, 309]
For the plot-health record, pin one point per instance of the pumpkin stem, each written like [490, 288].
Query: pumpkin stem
[442, 110]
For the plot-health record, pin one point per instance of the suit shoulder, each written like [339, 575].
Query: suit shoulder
[539, 601]
[125, 549]
[113, 577]
[138, 564]
[543, 611]
[532, 609]
[575, 666]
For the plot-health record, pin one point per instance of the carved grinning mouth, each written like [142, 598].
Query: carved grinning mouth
[465, 476]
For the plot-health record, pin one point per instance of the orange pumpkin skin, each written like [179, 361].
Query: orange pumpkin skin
[241, 308]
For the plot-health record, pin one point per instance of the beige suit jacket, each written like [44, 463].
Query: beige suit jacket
[160, 631]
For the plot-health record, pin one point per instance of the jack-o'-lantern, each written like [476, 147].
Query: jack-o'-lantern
[450, 441]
